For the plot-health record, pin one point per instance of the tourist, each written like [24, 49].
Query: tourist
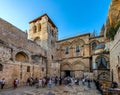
[40, 82]
[31, 81]
[28, 82]
[83, 81]
[44, 82]
[2, 83]
[15, 83]
[89, 84]
[114, 85]
[50, 83]
[60, 81]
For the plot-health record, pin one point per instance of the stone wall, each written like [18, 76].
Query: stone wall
[115, 57]
[81, 41]
[19, 57]
[18, 38]
[75, 62]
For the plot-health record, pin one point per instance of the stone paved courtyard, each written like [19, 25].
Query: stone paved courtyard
[56, 90]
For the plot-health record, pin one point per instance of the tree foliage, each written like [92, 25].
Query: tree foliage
[113, 30]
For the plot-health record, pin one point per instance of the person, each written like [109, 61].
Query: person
[28, 82]
[89, 85]
[50, 83]
[83, 81]
[114, 85]
[2, 83]
[15, 83]
[31, 81]
[40, 82]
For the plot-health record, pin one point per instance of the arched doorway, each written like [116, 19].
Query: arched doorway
[66, 70]
[102, 63]
[78, 68]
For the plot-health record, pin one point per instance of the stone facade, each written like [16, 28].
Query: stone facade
[74, 55]
[78, 54]
[39, 53]
[114, 47]
[19, 57]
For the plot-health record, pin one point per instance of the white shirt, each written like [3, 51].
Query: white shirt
[3, 81]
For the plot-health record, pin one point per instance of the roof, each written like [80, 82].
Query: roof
[49, 20]
[74, 37]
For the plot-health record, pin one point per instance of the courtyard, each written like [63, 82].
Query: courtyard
[55, 90]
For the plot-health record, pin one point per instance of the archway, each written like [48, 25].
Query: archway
[22, 57]
[66, 69]
[93, 44]
[102, 62]
[78, 68]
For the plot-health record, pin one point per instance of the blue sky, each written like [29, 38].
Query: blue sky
[72, 17]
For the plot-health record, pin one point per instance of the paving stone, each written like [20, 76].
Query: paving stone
[56, 90]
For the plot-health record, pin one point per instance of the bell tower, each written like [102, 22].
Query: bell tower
[44, 33]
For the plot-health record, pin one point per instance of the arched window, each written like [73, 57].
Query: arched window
[28, 68]
[21, 56]
[52, 43]
[39, 27]
[94, 44]
[52, 32]
[1, 67]
[66, 50]
[34, 29]
[101, 63]
[77, 48]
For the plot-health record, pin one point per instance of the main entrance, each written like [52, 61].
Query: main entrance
[67, 73]
[75, 69]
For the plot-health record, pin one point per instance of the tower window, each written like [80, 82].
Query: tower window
[66, 50]
[28, 68]
[34, 29]
[52, 43]
[77, 48]
[52, 32]
[39, 27]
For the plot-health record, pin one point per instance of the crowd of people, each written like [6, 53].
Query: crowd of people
[53, 81]
[50, 82]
